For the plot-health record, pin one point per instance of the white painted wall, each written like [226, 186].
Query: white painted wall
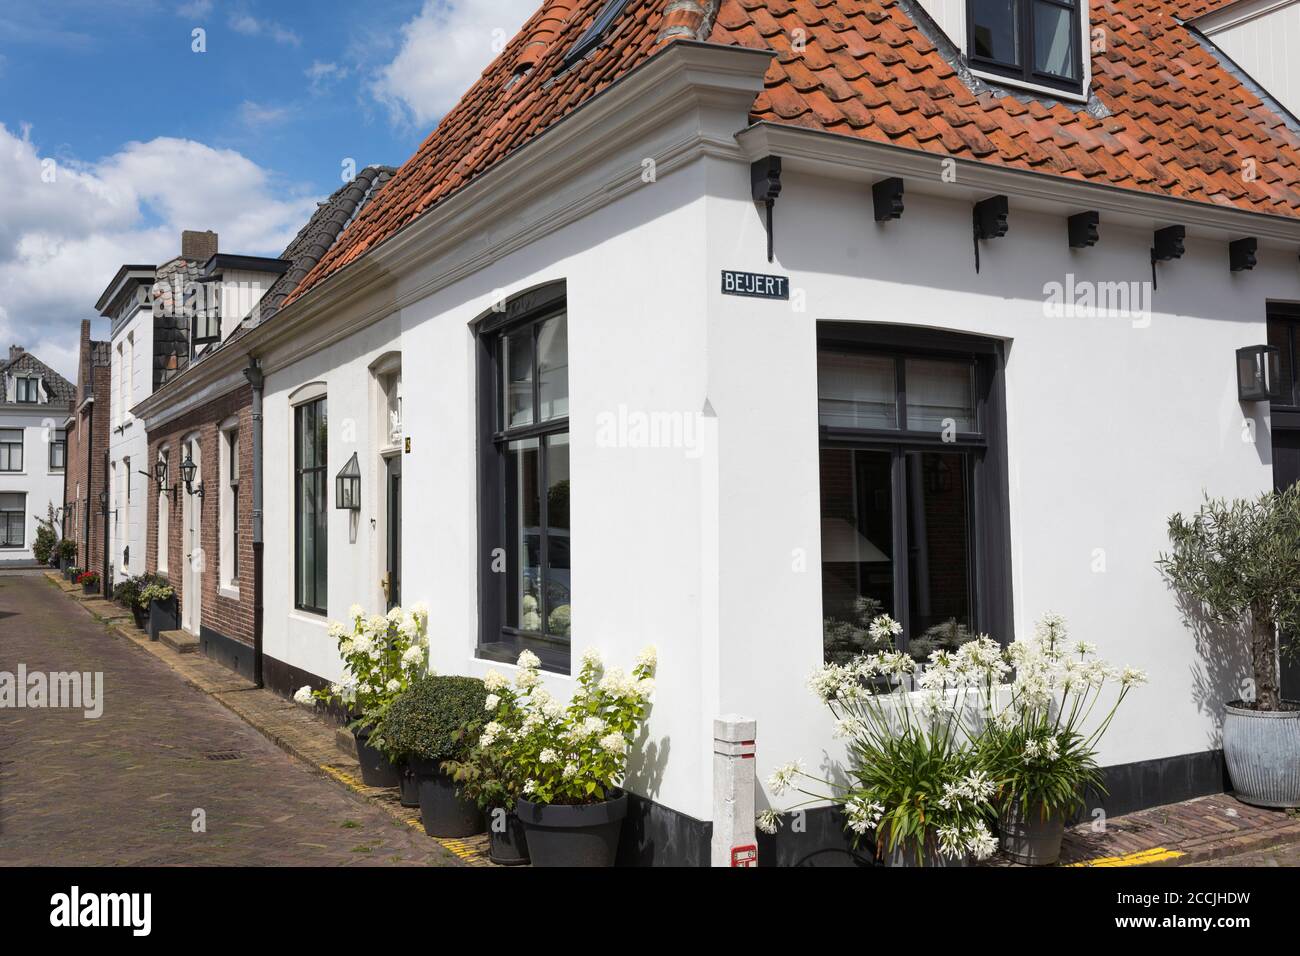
[1262, 37]
[1111, 429]
[42, 486]
[127, 439]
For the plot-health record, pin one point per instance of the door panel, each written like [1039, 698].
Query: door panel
[1286, 472]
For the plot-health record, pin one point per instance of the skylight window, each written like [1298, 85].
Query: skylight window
[595, 33]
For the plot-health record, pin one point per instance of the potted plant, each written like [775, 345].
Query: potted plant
[128, 594]
[1037, 747]
[164, 608]
[437, 718]
[495, 784]
[89, 581]
[67, 551]
[571, 758]
[45, 546]
[381, 655]
[1236, 565]
[914, 784]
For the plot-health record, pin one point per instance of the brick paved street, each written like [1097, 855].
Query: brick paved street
[121, 790]
[1275, 856]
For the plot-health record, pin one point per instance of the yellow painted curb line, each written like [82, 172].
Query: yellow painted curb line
[1140, 858]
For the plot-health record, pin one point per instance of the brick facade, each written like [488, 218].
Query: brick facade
[229, 617]
[87, 449]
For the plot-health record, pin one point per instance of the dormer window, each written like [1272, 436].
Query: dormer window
[594, 34]
[27, 391]
[1036, 42]
[205, 331]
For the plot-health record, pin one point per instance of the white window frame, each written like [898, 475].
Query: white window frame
[228, 584]
[1053, 92]
[164, 513]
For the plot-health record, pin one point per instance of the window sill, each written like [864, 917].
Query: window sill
[997, 79]
[228, 592]
[307, 617]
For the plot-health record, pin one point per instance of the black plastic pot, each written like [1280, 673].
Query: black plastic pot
[585, 835]
[507, 838]
[442, 810]
[409, 787]
[164, 616]
[141, 616]
[376, 769]
[88, 588]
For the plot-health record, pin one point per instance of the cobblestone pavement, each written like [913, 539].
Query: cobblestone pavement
[123, 789]
[1274, 856]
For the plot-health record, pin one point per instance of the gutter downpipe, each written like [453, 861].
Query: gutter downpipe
[103, 514]
[90, 472]
[255, 378]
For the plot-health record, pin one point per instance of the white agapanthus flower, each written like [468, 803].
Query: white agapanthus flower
[1132, 677]
[767, 821]
[303, 696]
[884, 628]
[863, 815]
[783, 777]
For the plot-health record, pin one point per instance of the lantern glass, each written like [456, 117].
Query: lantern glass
[160, 471]
[1259, 372]
[188, 468]
[347, 487]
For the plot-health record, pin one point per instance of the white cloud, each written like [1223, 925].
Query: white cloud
[195, 10]
[259, 114]
[250, 25]
[443, 51]
[321, 75]
[62, 241]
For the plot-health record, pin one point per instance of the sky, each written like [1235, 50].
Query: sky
[123, 122]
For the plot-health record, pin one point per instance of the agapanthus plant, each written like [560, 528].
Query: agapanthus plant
[382, 654]
[913, 780]
[566, 754]
[1040, 740]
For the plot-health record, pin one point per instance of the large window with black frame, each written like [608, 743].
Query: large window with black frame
[13, 520]
[11, 449]
[311, 528]
[525, 484]
[913, 501]
[1033, 41]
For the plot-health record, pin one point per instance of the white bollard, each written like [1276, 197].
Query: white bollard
[734, 842]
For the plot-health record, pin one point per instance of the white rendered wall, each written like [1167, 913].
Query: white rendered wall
[42, 486]
[127, 439]
[1265, 45]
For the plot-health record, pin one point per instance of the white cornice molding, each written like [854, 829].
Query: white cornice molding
[848, 157]
[574, 168]
[1235, 14]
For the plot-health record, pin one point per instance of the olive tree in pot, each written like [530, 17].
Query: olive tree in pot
[1237, 566]
[382, 654]
[437, 719]
[571, 757]
[1036, 745]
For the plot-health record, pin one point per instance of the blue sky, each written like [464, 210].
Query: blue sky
[115, 133]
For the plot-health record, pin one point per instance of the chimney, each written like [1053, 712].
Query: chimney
[16, 352]
[198, 246]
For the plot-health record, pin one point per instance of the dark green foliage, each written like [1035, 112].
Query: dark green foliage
[437, 718]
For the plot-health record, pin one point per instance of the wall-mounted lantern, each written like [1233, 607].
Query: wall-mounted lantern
[103, 502]
[347, 486]
[160, 474]
[189, 471]
[1259, 373]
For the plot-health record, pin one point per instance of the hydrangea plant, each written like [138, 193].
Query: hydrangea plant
[567, 754]
[382, 654]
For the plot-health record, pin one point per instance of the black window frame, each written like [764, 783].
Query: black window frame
[209, 319]
[29, 382]
[7, 452]
[988, 533]
[1287, 317]
[60, 444]
[319, 475]
[7, 519]
[1024, 72]
[496, 640]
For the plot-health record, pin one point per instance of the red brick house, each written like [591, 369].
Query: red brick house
[87, 449]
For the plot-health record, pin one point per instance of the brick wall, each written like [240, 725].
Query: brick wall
[90, 428]
[225, 615]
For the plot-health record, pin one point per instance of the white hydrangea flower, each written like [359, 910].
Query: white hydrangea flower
[413, 655]
[613, 743]
[492, 702]
[335, 631]
[393, 685]
[530, 786]
[356, 612]
[527, 679]
[570, 771]
[592, 727]
[591, 658]
[529, 661]
[495, 681]
[303, 696]
[548, 756]
[490, 733]
[649, 657]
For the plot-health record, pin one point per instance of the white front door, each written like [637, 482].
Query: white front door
[192, 513]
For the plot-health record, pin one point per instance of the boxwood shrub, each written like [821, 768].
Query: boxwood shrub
[437, 718]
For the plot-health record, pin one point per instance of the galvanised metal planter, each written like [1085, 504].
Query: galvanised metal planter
[585, 835]
[904, 856]
[507, 838]
[443, 811]
[1032, 840]
[164, 616]
[1262, 751]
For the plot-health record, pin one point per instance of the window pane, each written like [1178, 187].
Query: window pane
[995, 30]
[307, 505]
[557, 536]
[518, 365]
[938, 535]
[12, 502]
[938, 391]
[857, 547]
[523, 527]
[1054, 47]
[320, 537]
[856, 391]
[553, 368]
[1279, 336]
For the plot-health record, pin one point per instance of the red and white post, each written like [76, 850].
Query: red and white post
[734, 841]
